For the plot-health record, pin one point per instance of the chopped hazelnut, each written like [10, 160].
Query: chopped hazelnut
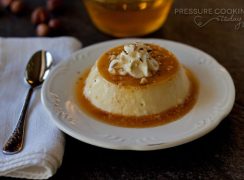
[143, 81]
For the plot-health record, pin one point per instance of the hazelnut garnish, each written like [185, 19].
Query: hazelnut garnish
[143, 81]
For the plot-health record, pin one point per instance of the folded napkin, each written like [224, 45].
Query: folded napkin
[44, 143]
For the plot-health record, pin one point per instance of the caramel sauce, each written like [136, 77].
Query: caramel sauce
[168, 66]
[137, 121]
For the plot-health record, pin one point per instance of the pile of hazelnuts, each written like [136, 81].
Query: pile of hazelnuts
[42, 17]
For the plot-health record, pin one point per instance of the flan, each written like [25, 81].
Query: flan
[137, 80]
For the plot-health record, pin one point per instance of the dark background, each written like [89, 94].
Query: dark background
[218, 155]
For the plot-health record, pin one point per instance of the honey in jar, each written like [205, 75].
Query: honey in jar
[125, 18]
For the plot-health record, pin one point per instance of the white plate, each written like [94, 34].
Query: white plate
[216, 98]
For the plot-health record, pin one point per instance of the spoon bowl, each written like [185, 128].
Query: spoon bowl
[38, 68]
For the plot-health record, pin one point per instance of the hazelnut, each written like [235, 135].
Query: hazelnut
[39, 15]
[54, 5]
[42, 30]
[5, 3]
[54, 23]
[16, 6]
[143, 81]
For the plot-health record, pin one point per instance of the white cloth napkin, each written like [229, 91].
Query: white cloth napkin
[44, 143]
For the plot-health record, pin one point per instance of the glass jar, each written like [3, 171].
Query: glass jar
[126, 18]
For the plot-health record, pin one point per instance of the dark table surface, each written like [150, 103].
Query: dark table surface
[218, 155]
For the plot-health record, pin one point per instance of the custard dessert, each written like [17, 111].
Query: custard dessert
[137, 85]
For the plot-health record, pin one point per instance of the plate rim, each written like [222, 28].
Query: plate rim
[109, 145]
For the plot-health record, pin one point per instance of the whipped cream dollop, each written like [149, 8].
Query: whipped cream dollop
[135, 60]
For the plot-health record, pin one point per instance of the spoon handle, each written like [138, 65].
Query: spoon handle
[15, 142]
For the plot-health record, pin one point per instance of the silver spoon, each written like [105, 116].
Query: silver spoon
[36, 72]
